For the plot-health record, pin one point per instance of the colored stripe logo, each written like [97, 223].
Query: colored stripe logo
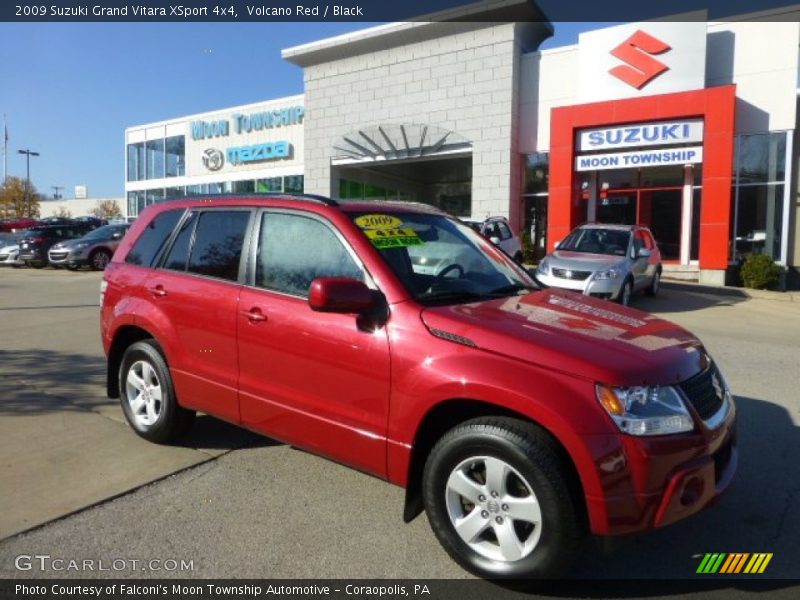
[734, 563]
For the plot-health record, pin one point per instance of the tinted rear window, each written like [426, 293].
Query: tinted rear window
[218, 240]
[147, 248]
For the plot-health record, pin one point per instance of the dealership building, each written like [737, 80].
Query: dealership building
[687, 127]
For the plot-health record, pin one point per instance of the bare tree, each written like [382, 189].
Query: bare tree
[107, 209]
[63, 211]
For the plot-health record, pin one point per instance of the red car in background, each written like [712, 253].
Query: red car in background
[520, 419]
[17, 224]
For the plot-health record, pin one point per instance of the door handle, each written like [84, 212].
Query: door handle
[255, 315]
[158, 291]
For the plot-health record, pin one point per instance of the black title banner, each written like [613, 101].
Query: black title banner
[381, 10]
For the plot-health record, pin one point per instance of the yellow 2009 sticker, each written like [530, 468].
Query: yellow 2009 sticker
[400, 237]
[378, 222]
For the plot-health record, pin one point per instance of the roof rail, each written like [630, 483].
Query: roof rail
[285, 195]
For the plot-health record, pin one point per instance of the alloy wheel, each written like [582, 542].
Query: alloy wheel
[144, 393]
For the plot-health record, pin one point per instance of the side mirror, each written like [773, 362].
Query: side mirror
[644, 253]
[340, 295]
[495, 240]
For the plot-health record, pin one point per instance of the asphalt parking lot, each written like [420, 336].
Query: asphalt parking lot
[238, 505]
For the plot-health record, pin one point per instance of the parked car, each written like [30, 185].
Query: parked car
[9, 250]
[16, 224]
[93, 249]
[498, 230]
[91, 221]
[36, 242]
[521, 419]
[605, 261]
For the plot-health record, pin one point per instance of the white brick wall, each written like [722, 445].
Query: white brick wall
[466, 82]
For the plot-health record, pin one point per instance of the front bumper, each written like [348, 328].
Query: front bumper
[653, 482]
[73, 258]
[601, 288]
[10, 260]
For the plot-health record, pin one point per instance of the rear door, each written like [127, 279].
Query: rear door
[196, 289]
[316, 380]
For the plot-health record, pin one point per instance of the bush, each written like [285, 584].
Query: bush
[759, 272]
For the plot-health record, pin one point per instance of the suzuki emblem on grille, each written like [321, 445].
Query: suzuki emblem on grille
[717, 387]
[637, 52]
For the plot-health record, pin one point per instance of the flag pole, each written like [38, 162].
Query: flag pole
[5, 147]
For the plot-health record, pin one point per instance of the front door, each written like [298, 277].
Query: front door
[661, 212]
[310, 378]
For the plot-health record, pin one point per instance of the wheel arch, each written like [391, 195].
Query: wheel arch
[450, 413]
[123, 338]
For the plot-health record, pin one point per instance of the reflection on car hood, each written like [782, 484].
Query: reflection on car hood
[582, 261]
[65, 244]
[576, 334]
[7, 249]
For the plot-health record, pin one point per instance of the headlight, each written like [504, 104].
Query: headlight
[544, 267]
[645, 410]
[607, 274]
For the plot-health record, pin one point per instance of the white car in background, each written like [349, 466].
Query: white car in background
[9, 251]
[498, 231]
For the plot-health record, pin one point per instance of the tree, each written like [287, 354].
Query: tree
[14, 202]
[107, 209]
[63, 212]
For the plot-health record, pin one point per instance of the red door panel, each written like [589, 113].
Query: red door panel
[314, 379]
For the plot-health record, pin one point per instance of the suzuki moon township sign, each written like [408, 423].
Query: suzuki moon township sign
[642, 59]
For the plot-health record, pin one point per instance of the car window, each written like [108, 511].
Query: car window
[597, 241]
[505, 232]
[293, 250]
[179, 253]
[649, 242]
[147, 248]
[218, 240]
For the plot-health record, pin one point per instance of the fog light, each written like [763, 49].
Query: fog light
[692, 491]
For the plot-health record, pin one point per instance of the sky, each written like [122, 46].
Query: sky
[69, 90]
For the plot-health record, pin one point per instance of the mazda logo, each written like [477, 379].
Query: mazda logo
[213, 159]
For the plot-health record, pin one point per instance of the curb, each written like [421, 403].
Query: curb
[687, 286]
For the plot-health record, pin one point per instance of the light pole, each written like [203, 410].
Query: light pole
[28, 154]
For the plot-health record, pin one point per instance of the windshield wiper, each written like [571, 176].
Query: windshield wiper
[512, 288]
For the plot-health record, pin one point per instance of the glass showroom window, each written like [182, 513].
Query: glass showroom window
[271, 184]
[153, 196]
[760, 194]
[536, 170]
[154, 155]
[136, 161]
[293, 184]
[175, 156]
[246, 186]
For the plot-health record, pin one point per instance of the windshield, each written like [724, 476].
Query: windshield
[597, 241]
[440, 260]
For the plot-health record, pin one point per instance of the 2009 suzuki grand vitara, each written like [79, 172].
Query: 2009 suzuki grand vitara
[520, 419]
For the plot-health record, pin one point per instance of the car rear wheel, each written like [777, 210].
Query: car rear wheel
[652, 289]
[99, 259]
[148, 396]
[625, 293]
[498, 501]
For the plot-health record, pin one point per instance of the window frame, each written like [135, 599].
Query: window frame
[243, 259]
[255, 238]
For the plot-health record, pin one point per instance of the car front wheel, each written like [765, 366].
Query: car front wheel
[652, 289]
[625, 293]
[498, 501]
[99, 259]
[148, 397]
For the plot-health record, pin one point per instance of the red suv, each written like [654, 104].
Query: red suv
[520, 419]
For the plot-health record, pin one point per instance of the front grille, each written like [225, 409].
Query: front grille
[3, 257]
[568, 274]
[58, 255]
[703, 394]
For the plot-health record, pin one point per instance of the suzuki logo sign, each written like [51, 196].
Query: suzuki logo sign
[637, 51]
[641, 59]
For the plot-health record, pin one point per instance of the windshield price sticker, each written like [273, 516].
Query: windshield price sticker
[400, 237]
[378, 222]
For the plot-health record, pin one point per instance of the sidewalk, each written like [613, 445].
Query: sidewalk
[689, 286]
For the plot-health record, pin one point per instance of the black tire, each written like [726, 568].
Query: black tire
[626, 293]
[73, 267]
[536, 470]
[36, 264]
[99, 259]
[171, 420]
[652, 289]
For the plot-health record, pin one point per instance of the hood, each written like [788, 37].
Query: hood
[6, 248]
[583, 261]
[576, 334]
[66, 243]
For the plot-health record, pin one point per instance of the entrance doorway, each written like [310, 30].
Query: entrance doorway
[659, 209]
